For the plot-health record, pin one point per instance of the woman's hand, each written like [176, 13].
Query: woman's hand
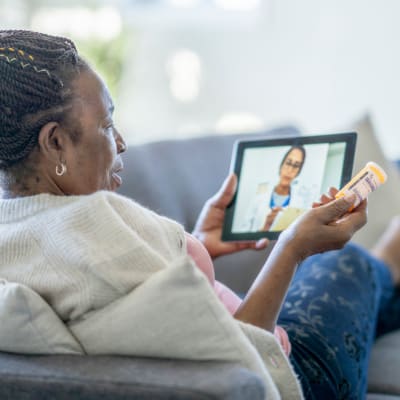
[208, 228]
[328, 226]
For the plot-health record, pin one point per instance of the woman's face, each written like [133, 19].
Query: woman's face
[291, 166]
[94, 161]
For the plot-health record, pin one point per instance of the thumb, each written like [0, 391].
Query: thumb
[226, 192]
[338, 208]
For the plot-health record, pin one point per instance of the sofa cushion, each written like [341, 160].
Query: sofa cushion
[369, 149]
[383, 376]
[123, 378]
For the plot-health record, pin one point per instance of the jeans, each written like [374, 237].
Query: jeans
[338, 303]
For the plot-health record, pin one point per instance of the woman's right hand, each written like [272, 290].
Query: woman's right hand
[327, 226]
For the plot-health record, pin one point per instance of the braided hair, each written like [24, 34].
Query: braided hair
[36, 72]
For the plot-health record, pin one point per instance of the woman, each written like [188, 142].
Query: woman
[268, 203]
[291, 166]
[65, 234]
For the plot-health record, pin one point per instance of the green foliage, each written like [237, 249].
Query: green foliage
[106, 57]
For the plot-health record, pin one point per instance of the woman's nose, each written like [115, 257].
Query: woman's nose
[121, 145]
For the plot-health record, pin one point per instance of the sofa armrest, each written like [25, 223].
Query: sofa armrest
[65, 377]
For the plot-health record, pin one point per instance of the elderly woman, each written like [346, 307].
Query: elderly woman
[81, 247]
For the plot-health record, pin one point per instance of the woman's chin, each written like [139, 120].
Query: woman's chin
[116, 181]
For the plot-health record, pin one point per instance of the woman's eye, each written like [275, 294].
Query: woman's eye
[110, 128]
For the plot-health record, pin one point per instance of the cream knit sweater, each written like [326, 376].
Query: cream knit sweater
[79, 252]
[110, 267]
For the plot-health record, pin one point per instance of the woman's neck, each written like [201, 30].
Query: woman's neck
[12, 188]
[282, 190]
[22, 181]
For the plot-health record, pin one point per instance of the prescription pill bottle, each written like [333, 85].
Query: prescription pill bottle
[365, 182]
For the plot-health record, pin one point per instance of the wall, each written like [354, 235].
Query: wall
[317, 64]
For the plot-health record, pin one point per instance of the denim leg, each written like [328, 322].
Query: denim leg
[330, 314]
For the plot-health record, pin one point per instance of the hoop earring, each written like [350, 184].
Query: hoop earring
[61, 169]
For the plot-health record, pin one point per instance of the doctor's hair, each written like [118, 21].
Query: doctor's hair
[36, 76]
[294, 147]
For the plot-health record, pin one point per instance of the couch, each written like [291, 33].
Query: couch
[174, 178]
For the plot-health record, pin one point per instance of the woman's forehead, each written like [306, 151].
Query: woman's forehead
[90, 91]
[297, 153]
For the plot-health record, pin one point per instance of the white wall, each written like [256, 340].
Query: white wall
[318, 64]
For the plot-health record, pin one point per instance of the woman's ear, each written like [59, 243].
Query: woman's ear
[52, 141]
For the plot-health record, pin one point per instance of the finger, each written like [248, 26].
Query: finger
[226, 192]
[257, 245]
[261, 244]
[362, 206]
[337, 208]
[355, 220]
[325, 199]
[332, 191]
[359, 220]
[360, 214]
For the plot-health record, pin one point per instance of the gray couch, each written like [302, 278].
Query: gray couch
[174, 178]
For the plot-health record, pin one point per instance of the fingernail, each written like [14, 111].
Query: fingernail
[261, 243]
[350, 197]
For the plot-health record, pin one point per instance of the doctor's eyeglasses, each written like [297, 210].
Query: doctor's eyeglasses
[292, 164]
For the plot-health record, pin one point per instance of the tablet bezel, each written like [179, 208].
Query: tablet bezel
[349, 138]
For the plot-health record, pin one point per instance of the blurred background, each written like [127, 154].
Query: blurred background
[179, 68]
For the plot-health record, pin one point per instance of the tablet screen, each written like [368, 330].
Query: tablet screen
[279, 179]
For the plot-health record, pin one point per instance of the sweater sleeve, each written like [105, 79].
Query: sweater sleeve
[164, 234]
[102, 246]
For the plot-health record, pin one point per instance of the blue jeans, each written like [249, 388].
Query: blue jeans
[337, 304]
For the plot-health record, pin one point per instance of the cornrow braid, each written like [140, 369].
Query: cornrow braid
[36, 71]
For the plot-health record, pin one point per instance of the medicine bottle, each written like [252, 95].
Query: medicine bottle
[365, 182]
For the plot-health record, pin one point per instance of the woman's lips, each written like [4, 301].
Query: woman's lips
[117, 178]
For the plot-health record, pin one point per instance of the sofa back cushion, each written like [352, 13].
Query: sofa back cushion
[383, 204]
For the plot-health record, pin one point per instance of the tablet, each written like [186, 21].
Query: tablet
[280, 178]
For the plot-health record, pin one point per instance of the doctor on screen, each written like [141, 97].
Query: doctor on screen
[270, 199]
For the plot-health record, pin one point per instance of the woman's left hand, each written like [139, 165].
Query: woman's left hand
[208, 228]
